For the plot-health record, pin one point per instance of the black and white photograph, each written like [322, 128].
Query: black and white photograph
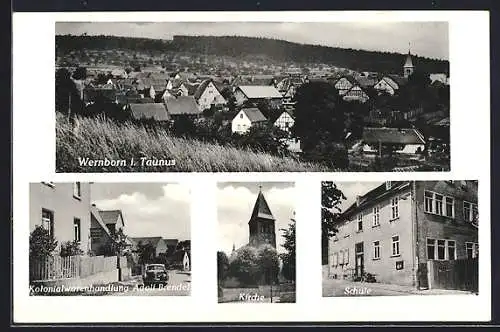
[256, 241]
[252, 96]
[122, 239]
[400, 238]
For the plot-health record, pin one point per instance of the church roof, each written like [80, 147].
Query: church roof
[408, 62]
[261, 209]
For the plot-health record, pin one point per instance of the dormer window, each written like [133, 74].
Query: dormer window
[388, 185]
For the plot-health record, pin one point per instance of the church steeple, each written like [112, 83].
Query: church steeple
[262, 223]
[408, 67]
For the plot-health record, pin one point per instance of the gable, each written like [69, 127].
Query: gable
[343, 84]
[391, 82]
[241, 117]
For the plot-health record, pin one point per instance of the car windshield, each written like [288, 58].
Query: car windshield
[155, 268]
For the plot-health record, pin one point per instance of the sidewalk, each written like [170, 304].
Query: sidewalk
[335, 287]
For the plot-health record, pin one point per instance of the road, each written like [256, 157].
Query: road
[179, 284]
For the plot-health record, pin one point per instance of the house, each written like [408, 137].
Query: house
[63, 209]
[439, 77]
[101, 237]
[157, 242]
[171, 245]
[207, 95]
[344, 84]
[285, 122]
[402, 231]
[119, 73]
[182, 105]
[246, 118]
[257, 93]
[356, 93]
[154, 111]
[408, 141]
[113, 219]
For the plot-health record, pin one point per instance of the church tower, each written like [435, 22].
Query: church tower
[262, 223]
[408, 67]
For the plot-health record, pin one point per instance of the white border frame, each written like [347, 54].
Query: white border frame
[34, 152]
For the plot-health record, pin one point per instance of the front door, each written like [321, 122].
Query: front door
[359, 259]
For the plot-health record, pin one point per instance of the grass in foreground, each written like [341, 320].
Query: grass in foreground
[99, 139]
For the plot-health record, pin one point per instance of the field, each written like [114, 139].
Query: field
[100, 139]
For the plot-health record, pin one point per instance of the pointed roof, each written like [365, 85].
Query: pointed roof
[261, 209]
[408, 62]
[110, 216]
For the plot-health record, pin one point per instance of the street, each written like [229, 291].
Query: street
[336, 288]
[179, 284]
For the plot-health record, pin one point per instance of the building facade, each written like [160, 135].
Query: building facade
[63, 209]
[393, 229]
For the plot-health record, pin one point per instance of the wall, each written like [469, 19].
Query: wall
[59, 199]
[210, 96]
[240, 124]
[441, 227]
[384, 268]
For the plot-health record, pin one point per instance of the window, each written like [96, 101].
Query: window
[341, 257]
[441, 249]
[471, 249]
[450, 207]
[438, 200]
[376, 216]
[439, 204]
[395, 208]
[452, 253]
[76, 230]
[335, 259]
[470, 211]
[376, 250]
[48, 221]
[431, 248]
[346, 256]
[241, 115]
[428, 198]
[360, 223]
[395, 245]
[77, 189]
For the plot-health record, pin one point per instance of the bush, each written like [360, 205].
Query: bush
[70, 248]
[42, 244]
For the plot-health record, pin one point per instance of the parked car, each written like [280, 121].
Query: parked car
[155, 274]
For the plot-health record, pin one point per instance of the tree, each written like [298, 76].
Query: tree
[184, 126]
[331, 198]
[244, 266]
[288, 257]
[222, 266]
[146, 252]
[70, 248]
[268, 263]
[320, 122]
[80, 73]
[42, 244]
[67, 97]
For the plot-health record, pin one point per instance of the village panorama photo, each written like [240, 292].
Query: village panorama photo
[93, 239]
[400, 238]
[256, 241]
[252, 96]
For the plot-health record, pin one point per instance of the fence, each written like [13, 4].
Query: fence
[57, 267]
[456, 274]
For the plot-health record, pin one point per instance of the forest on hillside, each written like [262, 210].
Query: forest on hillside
[277, 50]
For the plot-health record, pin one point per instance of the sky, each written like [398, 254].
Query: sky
[235, 202]
[352, 189]
[428, 39]
[149, 209]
